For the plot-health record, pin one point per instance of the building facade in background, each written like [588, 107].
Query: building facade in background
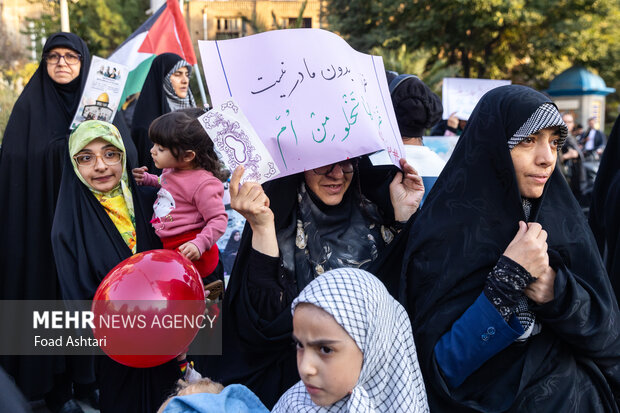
[219, 20]
[13, 14]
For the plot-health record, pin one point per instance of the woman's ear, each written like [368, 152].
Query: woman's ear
[189, 156]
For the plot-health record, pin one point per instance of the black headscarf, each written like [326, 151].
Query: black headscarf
[233, 244]
[87, 245]
[259, 352]
[605, 207]
[152, 103]
[31, 160]
[467, 221]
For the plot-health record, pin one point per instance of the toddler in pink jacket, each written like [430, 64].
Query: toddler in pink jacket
[189, 213]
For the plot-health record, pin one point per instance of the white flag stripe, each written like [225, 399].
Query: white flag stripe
[129, 55]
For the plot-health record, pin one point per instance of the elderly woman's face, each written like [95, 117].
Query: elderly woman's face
[63, 65]
[180, 82]
[330, 182]
[102, 173]
[534, 160]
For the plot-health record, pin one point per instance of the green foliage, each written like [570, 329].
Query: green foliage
[103, 24]
[12, 82]
[257, 25]
[298, 22]
[528, 41]
[41, 28]
[8, 96]
[418, 62]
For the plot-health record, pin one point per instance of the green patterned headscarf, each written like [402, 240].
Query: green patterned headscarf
[87, 132]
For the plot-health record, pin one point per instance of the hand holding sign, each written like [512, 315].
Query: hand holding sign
[406, 192]
[237, 143]
[251, 201]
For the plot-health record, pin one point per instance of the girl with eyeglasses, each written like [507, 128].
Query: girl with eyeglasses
[299, 227]
[103, 218]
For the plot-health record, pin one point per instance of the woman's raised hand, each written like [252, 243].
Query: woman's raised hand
[251, 201]
[528, 248]
[406, 192]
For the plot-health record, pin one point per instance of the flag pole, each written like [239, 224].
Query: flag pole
[203, 95]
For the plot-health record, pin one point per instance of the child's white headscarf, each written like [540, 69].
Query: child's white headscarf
[390, 380]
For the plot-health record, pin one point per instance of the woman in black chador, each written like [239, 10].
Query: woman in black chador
[511, 306]
[298, 227]
[165, 89]
[230, 252]
[32, 157]
[31, 160]
[605, 208]
[103, 215]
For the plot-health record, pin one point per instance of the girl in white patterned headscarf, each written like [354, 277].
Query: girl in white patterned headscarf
[355, 349]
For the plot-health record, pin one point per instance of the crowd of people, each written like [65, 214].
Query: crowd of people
[352, 287]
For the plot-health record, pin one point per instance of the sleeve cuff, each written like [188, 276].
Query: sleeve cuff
[150, 179]
[263, 270]
[200, 244]
[479, 334]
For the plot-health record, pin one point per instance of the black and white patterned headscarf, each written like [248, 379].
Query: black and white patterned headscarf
[174, 101]
[390, 380]
[546, 116]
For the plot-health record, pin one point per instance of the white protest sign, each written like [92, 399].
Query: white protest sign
[425, 161]
[102, 91]
[236, 142]
[311, 98]
[461, 95]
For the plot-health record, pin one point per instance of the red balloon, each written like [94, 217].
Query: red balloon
[148, 309]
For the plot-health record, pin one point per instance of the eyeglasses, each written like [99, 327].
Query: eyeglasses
[109, 158]
[70, 58]
[347, 167]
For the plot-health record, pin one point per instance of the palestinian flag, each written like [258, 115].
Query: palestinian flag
[164, 32]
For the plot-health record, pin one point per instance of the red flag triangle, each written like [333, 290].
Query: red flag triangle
[169, 34]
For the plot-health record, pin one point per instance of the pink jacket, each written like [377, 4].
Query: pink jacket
[188, 200]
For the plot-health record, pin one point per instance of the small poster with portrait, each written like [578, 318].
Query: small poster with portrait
[102, 91]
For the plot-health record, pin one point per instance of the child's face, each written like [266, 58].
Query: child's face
[106, 170]
[163, 158]
[328, 359]
[534, 161]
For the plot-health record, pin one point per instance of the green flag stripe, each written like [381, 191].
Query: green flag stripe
[136, 78]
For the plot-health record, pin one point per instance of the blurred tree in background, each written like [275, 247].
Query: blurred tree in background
[526, 41]
[103, 24]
